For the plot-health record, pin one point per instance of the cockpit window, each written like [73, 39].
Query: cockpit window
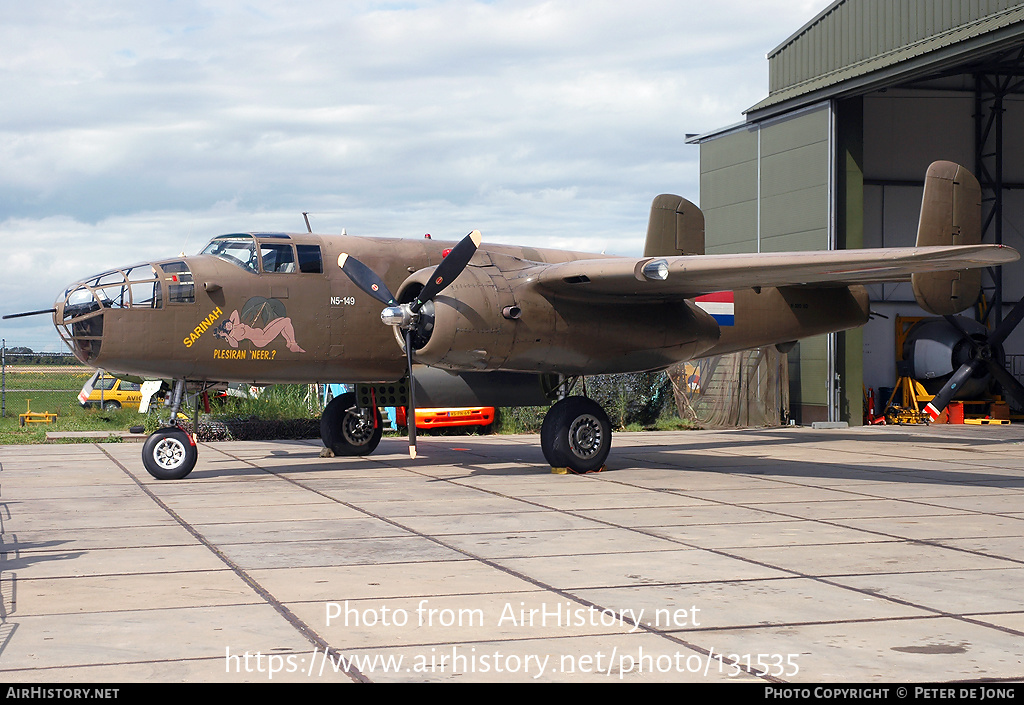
[277, 257]
[180, 287]
[79, 302]
[237, 249]
[82, 306]
[309, 259]
[136, 287]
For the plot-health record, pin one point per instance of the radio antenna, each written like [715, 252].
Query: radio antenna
[187, 236]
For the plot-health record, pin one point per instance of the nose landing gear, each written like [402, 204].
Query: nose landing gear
[169, 453]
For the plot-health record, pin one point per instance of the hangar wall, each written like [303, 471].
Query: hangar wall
[766, 187]
[862, 99]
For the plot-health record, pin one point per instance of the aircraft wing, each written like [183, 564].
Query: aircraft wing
[689, 276]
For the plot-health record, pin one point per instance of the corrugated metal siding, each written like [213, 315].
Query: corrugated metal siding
[795, 183]
[728, 193]
[949, 45]
[808, 372]
[786, 164]
[851, 31]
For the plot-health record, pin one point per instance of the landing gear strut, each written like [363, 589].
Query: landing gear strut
[170, 453]
[576, 434]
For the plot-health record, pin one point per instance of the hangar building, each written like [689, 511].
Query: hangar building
[861, 100]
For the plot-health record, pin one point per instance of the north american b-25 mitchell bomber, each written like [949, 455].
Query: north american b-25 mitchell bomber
[470, 323]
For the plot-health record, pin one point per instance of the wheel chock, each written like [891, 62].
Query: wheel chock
[570, 471]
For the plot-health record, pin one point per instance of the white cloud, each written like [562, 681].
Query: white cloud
[548, 123]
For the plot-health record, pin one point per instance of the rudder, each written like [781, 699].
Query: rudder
[676, 227]
[950, 215]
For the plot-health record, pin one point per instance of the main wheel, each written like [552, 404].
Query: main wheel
[346, 431]
[169, 454]
[576, 434]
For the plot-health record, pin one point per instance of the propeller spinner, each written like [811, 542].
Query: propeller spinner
[407, 316]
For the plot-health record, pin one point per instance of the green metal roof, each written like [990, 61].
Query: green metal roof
[854, 46]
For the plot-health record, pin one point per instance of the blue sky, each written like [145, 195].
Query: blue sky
[134, 131]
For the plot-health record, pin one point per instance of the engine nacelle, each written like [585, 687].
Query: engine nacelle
[462, 328]
[493, 317]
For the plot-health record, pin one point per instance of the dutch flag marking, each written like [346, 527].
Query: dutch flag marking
[721, 306]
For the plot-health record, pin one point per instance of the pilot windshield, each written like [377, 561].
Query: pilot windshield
[237, 249]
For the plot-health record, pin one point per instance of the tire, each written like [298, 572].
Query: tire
[576, 434]
[111, 406]
[345, 431]
[169, 454]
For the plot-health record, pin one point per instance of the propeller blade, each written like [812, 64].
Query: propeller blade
[955, 322]
[411, 411]
[87, 388]
[366, 279]
[1008, 382]
[940, 400]
[1010, 385]
[444, 274]
[1008, 324]
[449, 269]
[30, 313]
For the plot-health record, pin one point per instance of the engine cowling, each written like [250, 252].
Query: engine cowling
[493, 317]
[462, 328]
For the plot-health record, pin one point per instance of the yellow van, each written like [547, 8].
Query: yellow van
[112, 393]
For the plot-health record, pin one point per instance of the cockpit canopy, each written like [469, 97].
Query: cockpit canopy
[266, 252]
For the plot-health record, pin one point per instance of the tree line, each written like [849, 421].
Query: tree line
[20, 355]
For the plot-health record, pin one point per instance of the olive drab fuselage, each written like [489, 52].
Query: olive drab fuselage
[280, 317]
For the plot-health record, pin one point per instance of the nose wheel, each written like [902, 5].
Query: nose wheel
[576, 434]
[169, 454]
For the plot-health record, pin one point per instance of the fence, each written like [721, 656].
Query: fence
[50, 380]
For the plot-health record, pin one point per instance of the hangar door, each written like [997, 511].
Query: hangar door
[767, 187]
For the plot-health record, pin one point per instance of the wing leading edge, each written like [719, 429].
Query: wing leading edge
[672, 278]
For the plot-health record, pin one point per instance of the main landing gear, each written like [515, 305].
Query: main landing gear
[169, 453]
[576, 434]
[349, 430]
